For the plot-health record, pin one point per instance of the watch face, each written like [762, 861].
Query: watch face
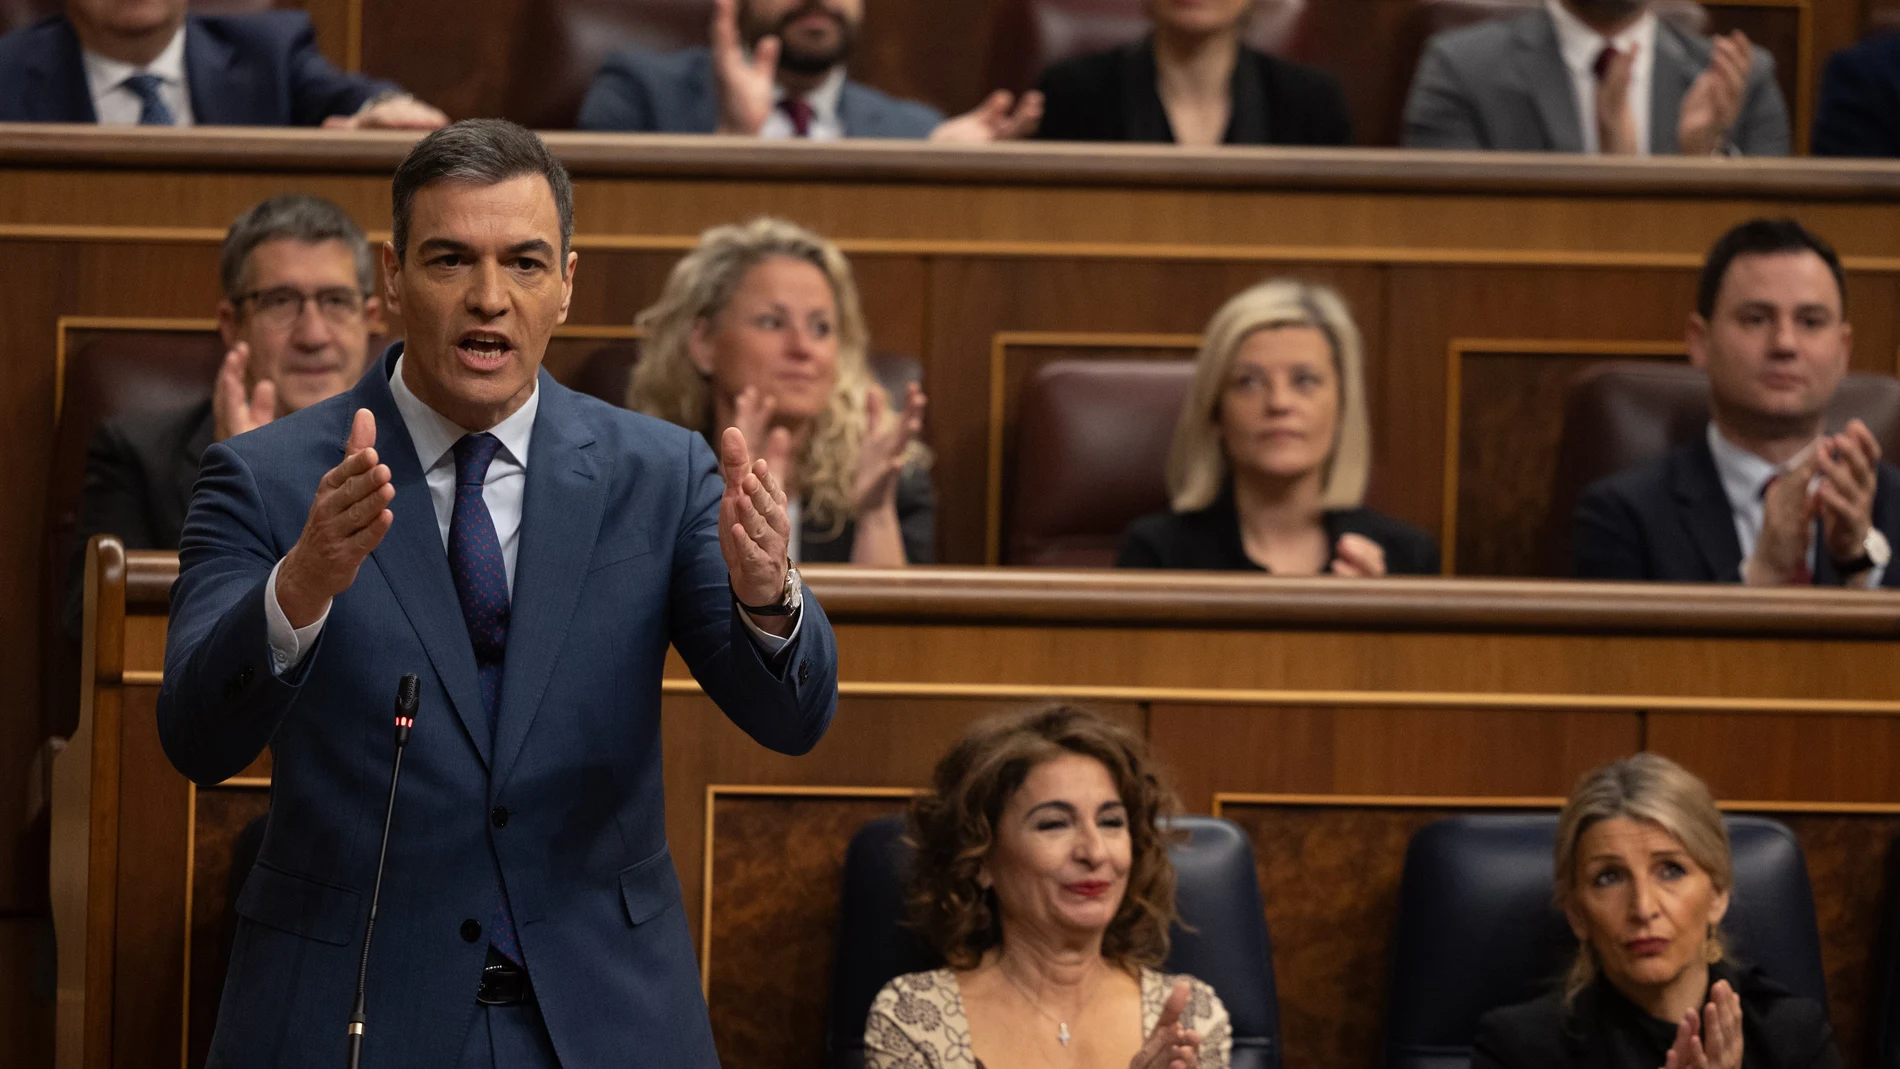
[1877, 548]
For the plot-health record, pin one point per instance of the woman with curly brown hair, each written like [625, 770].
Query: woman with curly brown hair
[1043, 878]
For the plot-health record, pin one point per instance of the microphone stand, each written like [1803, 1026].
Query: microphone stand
[407, 693]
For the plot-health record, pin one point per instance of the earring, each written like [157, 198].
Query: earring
[1712, 948]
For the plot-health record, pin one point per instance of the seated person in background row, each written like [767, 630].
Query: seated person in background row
[776, 69]
[1597, 76]
[760, 328]
[1859, 113]
[1271, 455]
[1765, 497]
[148, 63]
[1043, 878]
[1193, 82]
[1643, 874]
[296, 317]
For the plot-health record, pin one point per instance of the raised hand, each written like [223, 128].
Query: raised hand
[1713, 1040]
[1714, 100]
[1849, 463]
[232, 411]
[881, 455]
[994, 120]
[398, 112]
[745, 85]
[1357, 556]
[1787, 523]
[755, 534]
[1170, 1046]
[347, 522]
[752, 414]
[1616, 125]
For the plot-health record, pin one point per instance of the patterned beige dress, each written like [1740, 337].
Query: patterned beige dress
[917, 1022]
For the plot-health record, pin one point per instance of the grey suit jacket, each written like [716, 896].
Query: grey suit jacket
[1501, 84]
[673, 93]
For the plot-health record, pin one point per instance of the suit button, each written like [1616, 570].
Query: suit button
[499, 818]
[804, 670]
[471, 931]
[244, 677]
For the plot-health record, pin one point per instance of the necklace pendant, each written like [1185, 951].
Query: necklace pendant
[1062, 1032]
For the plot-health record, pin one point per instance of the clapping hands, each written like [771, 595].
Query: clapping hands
[1714, 1039]
[1714, 100]
[233, 409]
[1170, 1046]
[745, 84]
[881, 455]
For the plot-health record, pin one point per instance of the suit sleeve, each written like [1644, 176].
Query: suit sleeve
[1852, 120]
[115, 501]
[220, 702]
[318, 90]
[1605, 538]
[917, 516]
[1762, 128]
[617, 101]
[785, 706]
[1439, 112]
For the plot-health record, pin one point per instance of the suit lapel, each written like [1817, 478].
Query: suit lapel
[560, 520]
[415, 565]
[221, 88]
[56, 86]
[1705, 510]
[1540, 62]
[1674, 71]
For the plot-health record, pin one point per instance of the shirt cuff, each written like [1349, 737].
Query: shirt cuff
[769, 644]
[289, 645]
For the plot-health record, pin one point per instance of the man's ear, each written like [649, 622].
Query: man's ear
[392, 274]
[567, 283]
[1696, 337]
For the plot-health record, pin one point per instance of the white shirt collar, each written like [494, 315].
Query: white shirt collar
[1581, 45]
[823, 100]
[1744, 474]
[435, 435]
[104, 74]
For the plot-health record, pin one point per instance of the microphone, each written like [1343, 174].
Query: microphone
[407, 693]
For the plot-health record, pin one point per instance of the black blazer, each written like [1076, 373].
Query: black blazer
[139, 472]
[1209, 540]
[1112, 96]
[916, 521]
[1670, 520]
[241, 70]
[1859, 114]
[1604, 1030]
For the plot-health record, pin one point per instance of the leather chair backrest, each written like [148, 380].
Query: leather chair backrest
[1623, 413]
[1092, 439]
[1476, 929]
[1217, 895]
[1030, 35]
[560, 45]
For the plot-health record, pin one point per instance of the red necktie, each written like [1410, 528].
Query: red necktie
[1602, 65]
[800, 113]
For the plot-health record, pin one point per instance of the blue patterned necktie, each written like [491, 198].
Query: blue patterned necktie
[153, 110]
[481, 583]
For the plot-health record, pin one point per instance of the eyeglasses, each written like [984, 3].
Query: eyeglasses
[282, 306]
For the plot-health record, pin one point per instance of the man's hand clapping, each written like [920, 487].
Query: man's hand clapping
[994, 120]
[347, 522]
[232, 410]
[755, 534]
[745, 84]
[1714, 100]
[1849, 463]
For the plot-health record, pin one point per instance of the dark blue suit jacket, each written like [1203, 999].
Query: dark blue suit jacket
[618, 557]
[1670, 520]
[673, 93]
[1859, 113]
[242, 70]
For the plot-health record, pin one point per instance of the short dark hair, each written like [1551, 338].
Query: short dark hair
[483, 152]
[296, 217]
[1762, 237]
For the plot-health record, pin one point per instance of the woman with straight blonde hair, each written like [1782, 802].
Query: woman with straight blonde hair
[1644, 875]
[759, 328]
[1271, 454]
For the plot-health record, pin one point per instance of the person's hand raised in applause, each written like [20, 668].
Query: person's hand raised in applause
[755, 534]
[1714, 99]
[1001, 117]
[745, 84]
[1849, 463]
[1356, 556]
[887, 437]
[395, 111]
[1170, 1046]
[1714, 1039]
[1787, 526]
[347, 522]
[233, 409]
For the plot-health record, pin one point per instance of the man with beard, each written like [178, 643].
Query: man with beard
[1595, 76]
[776, 69]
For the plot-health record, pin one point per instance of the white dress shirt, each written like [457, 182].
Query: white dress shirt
[1745, 478]
[1581, 45]
[117, 105]
[825, 123]
[503, 489]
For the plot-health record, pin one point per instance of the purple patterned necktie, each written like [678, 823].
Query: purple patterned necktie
[481, 583]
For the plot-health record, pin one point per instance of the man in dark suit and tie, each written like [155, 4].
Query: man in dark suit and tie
[1859, 113]
[530, 553]
[147, 62]
[1765, 497]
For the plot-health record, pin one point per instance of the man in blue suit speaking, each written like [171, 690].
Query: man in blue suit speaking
[531, 553]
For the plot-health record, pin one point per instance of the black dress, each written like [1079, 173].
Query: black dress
[1210, 540]
[1114, 96]
[916, 522]
[1604, 1030]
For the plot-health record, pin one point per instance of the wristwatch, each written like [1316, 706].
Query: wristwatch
[1875, 552]
[789, 598]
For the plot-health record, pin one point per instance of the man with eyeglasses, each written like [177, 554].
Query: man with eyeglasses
[296, 320]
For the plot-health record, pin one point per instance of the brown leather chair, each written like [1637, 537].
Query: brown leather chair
[1623, 413]
[560, 44]
[1030, 35]
[1091, 456]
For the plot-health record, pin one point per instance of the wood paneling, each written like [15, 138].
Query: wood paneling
[1785, 758]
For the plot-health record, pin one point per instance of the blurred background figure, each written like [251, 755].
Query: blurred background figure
[1859, 112]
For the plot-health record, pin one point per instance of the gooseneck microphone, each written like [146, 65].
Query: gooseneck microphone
[407, 694]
